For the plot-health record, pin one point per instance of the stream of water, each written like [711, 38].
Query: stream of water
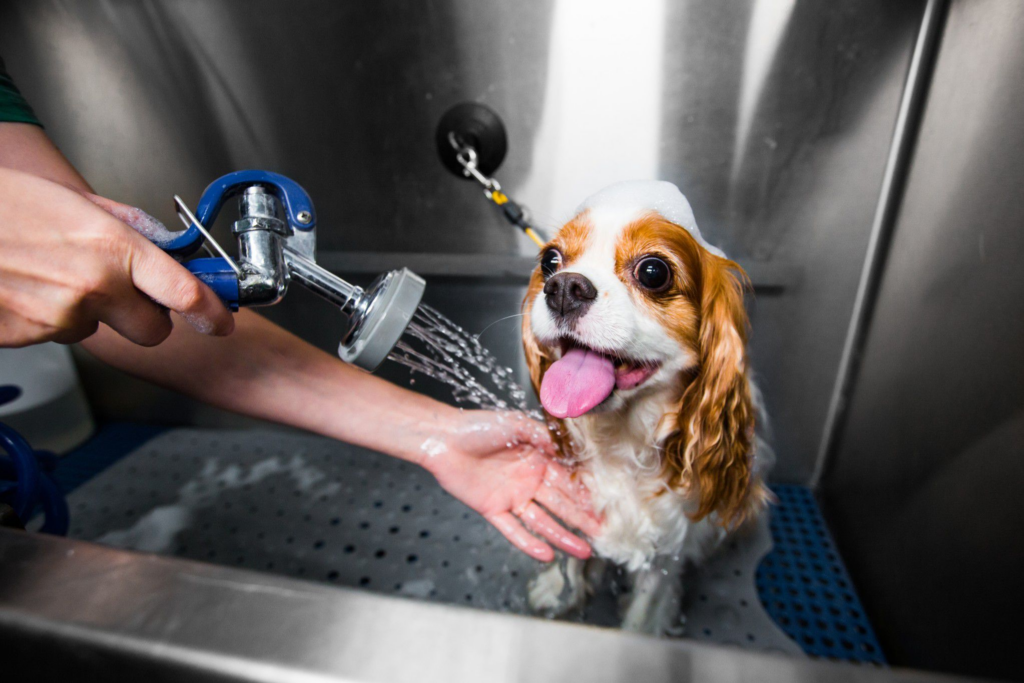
[436, 347]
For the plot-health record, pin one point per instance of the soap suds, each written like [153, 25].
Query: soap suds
[144, 224]
[199, 322]
[157, 233]
[634, 197]
[156, 530]
[434, 447]
[418, 588]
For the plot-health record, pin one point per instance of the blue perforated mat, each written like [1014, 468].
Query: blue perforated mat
[805, 587]
[110, 443]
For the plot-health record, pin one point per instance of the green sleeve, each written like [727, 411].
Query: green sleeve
[13, 106]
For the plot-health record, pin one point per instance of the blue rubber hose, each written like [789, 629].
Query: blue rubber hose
[24, 485]
[25, 470]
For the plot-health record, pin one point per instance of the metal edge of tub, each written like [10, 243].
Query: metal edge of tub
[765, 276]
[88, 612]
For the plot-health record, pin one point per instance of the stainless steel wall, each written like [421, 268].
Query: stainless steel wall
[925, 490]
[774, 116]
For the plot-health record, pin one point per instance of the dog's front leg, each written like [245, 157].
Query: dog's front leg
[656, 599]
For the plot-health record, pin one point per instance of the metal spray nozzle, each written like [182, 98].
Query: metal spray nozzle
[273, 252]
[377, 316]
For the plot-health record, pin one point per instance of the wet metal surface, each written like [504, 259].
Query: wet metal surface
[317, 509]
[774, 117]
[71, 610]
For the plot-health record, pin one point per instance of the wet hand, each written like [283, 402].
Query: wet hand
[68, 265]
[502, 466]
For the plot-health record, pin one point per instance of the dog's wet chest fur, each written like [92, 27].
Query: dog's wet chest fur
[620, 463]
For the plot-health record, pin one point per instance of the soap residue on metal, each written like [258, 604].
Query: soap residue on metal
[156, 530]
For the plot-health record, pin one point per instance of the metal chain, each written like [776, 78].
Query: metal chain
[467, 158]
[515, 213]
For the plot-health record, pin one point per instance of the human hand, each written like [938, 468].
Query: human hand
[500, 464]
[67, 265]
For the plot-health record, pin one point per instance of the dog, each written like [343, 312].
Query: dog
[635, 334]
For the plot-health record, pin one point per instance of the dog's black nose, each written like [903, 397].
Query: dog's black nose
[569, 295]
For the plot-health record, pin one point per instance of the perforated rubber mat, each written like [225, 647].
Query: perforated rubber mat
[321, 510]
[804, 585]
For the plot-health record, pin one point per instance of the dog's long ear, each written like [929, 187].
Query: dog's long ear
[536, 360]
[710, 451]
[538, 363]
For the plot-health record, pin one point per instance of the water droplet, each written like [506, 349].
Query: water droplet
[443, 351]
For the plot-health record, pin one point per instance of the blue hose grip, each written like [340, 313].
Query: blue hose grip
[218, 276]
[184, 243]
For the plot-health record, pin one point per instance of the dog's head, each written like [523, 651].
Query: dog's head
[630, 308]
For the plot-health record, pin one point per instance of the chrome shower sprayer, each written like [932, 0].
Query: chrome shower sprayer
[276, 233]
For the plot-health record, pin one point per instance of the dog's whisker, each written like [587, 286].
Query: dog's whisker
[436, 347]
[507, 317]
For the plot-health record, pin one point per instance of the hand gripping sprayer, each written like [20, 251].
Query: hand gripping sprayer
[273, 251]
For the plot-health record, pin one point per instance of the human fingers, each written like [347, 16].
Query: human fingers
[17, 331]
[568, 510]
[197, 305]
[511, 529]
[136, 318]
[168, 283]
[541, 523]
[559, 478]
[32, 312]
[71, 335]
[533, 433]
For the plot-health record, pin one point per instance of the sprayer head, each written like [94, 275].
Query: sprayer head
[380, 316]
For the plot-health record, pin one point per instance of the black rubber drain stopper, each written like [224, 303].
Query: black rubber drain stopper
[477, 126]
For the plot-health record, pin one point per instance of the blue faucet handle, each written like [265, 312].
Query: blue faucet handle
[297, 204]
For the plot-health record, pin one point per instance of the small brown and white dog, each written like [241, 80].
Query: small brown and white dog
[635, 335]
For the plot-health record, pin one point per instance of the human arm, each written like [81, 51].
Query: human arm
[263, 371]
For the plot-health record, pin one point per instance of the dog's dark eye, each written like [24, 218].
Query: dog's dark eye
[652, 273]
[550, 262]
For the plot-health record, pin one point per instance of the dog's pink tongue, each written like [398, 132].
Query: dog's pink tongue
[576, 383]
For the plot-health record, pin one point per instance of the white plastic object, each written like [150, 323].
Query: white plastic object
[51, 413]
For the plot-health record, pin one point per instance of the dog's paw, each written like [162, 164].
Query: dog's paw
[559, 589]
[545, 592]
[655, 607]
[659, 622]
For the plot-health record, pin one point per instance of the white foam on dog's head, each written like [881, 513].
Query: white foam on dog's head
[632, 198]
